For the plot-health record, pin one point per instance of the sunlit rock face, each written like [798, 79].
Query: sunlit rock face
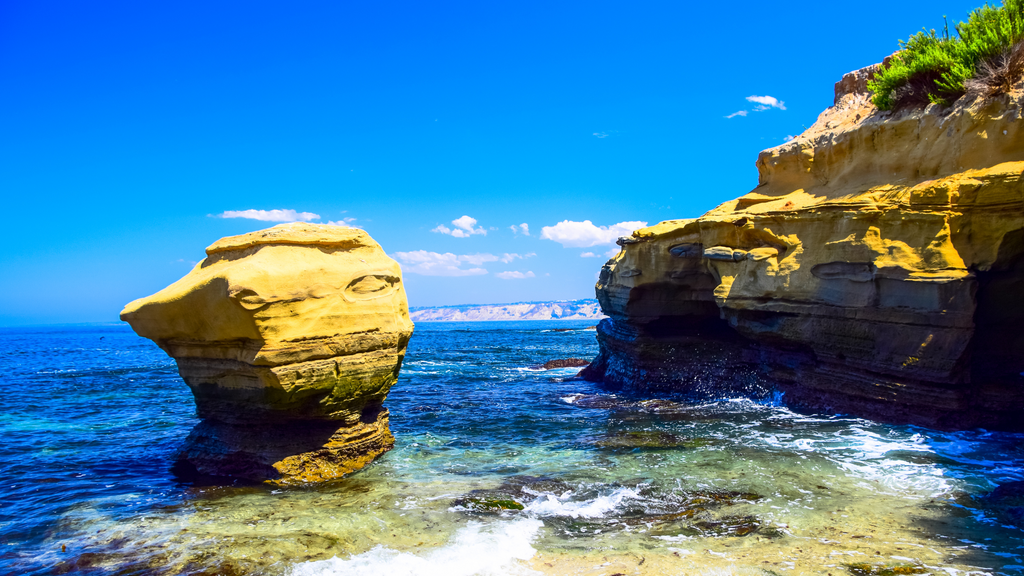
[290, 339]
[876, 270]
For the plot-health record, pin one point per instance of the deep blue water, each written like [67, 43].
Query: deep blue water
[91, 416]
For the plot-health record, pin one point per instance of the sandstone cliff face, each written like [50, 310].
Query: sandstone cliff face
[876, 269]
[290, 339]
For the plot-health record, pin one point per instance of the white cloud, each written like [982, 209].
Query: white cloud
[524, 228]
[463, 228]
[766, 102]
[270, 215]
[434, 264]
[506, 257]
[609, 254]
[788, 138]
[349, 221]
[448, 264]
[514, 275]
[763, 103]
[601, 134]
[585, 234]
[466, 224]
[478, 259]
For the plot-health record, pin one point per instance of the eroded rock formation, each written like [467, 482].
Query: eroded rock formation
[290, 339]
[876, 269]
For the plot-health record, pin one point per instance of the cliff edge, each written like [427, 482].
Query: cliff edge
[877, 269]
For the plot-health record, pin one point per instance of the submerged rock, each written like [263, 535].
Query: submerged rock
[488, 504]
[565, 363]
[876, 270]
[290, 339]
[1006, 501]
[866, 569]
[576, 509]
[650, 440]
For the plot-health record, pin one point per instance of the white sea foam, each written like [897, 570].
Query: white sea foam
[564, 505]
[476, 550]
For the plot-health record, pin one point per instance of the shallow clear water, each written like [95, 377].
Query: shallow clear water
[91, 416]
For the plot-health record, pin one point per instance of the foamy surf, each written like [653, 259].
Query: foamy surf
[564, 505]
[477, 550]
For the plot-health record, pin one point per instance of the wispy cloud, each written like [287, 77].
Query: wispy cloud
[514, 275]
[608, 254]
[478, 259]
[524, 228]
[585, 234]
[447, 264]
[601, 134]
[766, 102]
[270, 215]
[349, 221]
[763, 103]
[507, 258]
[464, 228]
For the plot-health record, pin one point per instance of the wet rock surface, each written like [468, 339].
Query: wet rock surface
[704, 513]
[565, 363]
[866, 569]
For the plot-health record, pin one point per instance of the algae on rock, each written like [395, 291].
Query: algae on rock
[290, 339]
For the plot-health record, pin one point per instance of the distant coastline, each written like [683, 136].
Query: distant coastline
[586, 309]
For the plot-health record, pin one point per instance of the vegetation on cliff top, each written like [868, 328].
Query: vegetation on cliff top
[986, 55]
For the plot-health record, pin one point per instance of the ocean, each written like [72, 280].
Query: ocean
[499, 468]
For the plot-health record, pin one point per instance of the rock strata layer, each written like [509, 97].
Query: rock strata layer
[290, 339]
[877, 269]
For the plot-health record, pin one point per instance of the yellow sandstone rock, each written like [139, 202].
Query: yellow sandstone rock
[290, 339]
[876, 269]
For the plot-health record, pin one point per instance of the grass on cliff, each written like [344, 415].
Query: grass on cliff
[986, 55]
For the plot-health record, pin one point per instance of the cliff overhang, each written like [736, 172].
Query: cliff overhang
[876, 270]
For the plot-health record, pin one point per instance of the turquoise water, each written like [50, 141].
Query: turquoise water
[91, 416]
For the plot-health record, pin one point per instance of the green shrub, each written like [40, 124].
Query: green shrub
[933, 68]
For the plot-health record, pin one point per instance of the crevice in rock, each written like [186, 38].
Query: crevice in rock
[996, 349]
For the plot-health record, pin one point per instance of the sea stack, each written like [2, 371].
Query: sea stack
[290, 339]
[877, 269]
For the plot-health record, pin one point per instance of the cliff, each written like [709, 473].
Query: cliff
[876, 269]
[289, 339]
[558, 310]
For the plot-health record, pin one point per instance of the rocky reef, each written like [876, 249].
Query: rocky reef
[290, 339]
[877, 269]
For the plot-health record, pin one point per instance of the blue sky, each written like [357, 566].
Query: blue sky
[128, 129]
